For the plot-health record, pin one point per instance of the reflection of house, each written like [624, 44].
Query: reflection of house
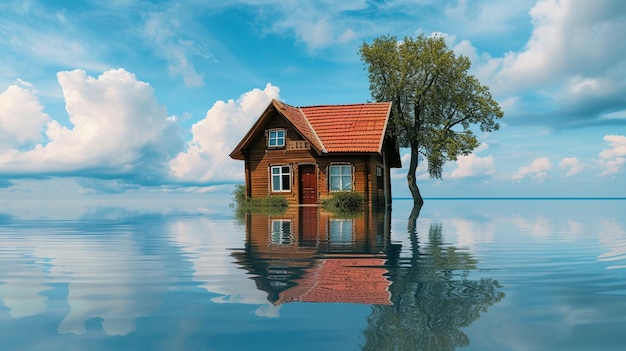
[350, 280]
[308, 255]
[306, 153]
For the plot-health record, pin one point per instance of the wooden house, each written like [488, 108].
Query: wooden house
[307, 153]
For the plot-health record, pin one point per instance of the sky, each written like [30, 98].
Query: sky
[133, 98]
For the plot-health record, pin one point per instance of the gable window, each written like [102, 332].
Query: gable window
[340, 178]
[276, 138]
[281, 178]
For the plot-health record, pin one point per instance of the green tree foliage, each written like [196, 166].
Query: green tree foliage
[435, 101]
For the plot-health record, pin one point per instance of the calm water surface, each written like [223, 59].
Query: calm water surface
[467, 274]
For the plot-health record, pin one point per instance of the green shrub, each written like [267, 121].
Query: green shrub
[345, 203]
[273, 201]
[239, 194]
[270, 205]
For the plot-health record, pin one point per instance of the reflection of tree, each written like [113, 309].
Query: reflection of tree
[433, 298]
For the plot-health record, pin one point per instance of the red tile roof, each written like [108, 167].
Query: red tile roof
[350, 128]
[349, 280]
[330, 128]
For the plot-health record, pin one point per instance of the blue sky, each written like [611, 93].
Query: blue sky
[133, 97]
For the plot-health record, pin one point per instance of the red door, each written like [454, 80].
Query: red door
[308, 184]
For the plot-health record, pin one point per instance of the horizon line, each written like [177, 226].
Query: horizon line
[515, 198]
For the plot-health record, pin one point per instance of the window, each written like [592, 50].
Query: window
[281, 232]
[281, 178]
[276, 138]
[379, 177]
[340, 232]
[340, 178]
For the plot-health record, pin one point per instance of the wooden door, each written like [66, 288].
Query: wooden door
[308, 184]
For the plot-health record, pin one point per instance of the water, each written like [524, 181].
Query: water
[470, 274]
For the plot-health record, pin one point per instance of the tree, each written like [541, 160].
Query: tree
[435, 102]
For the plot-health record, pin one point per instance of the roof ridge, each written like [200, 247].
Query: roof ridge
[283, 106]
[347, 104]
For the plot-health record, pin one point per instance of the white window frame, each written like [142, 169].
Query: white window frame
[273, 135]
[280, 174]
[342, 177]
[281, 232]
[341, 232]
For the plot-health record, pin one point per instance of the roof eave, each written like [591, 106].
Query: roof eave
[382, 136]
[316, 143]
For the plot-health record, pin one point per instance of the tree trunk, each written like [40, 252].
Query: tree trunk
[410, 177]
[412, 227]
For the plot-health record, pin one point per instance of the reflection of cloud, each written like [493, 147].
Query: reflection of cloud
[613, 237]
[574, 229]
[539, 226]
[268, 310]
[102, 266]
[22, 300]
[471, 232]
[118, 291]
[22, 274]
[214, 267]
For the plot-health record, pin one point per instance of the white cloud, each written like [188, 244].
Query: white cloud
[118, 127]
[46, 38]
[22, 120]
[537, 170]
[570, 68]
[316, 34]
[614, 158]
[323, 23]
[421, 173]
[161, 29]
[614, 115]
[486, 16]
[482, 147]
[568, 37]
[572, 165]
[466, 48]
[472, 165]
[215, 136]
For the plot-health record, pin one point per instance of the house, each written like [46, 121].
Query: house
[307, 153]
